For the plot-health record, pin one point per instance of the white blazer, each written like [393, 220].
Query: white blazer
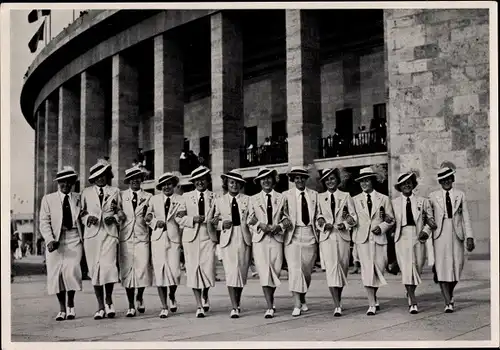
[134, 221]
[291, 200]
[51, 215]
[258, 209]
[342, 200]
[461, 219]
[189, 204]
[367, 222]
[92, 206]
[157, 208]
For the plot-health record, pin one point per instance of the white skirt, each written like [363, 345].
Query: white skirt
[200, 260]
[334, 253]
[236, 259]
[373, 260]
[410, 254]
[449, 254]
[166, 260]
[268, 259]
[63, 265]
[135, 269]
[300, 256]
[101, 254]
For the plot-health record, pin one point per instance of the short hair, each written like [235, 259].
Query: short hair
[335, 172]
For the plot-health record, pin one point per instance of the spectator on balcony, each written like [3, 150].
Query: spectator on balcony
[250, 154]
[183, 163]
[378, 131]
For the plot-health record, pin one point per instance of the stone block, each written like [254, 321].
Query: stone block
[478, 120]
[484, 209]
[458, 74]
[413, 66]
[481, 229]
[459, 158]
[408, 37]
[469, 88]
[398, 13]
[433, 108]
[462, 138]
[422, 79]
[398, 81]
[465, 104]
[457, 121]
[482, 138]
[470, 32]
[435, 92]
[484, 101]
[426, 51]
[402, 144]
[411, 160]
[478, 157]
[437, 32]
[479, 71]
[431, 124]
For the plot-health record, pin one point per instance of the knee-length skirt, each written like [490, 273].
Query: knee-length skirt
[334, 253]
[449, 254]
[268, 259]
[373, 260]
[410, 254]
[63, 264]
[101, 253]
[236, 259]
[135, 269]
[200, 260]
[300, 256]
[166, 261]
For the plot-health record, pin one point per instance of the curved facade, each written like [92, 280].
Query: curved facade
[222, 84]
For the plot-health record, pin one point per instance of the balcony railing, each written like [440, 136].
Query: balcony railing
[275, 153]
[359, 143]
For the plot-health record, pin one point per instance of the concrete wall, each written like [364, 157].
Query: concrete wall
[438, 78]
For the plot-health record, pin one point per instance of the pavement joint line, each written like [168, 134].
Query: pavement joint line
[473, 330]
[409, 321]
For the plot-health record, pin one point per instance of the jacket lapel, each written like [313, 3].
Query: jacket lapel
[277, 203]
[376, 202]
[456, 203]
[364, 204]
[440, 199]
[173, 206]
[57, 204]
[292, 206]
[339, 199]
[414, 208]
[74, 203]
[311, 204]
[261, 205]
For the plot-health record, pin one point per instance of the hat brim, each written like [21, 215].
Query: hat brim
[126, 180]
[66, 177]
[272, 172]
[206, 172]
[100, 172]
[162, 183]
[364, 177]
[322, 178]
[439, 178]
[292, 174]
[243, 181]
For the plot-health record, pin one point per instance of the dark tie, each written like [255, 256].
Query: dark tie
[101, 195]
[449, 208]
[269, 210]
[201, 205]
[410, 221]
[332, 205]
[235, 213]
[67, 219]
[167, 207]
[305, 210]
[134, 200]
[369, 202]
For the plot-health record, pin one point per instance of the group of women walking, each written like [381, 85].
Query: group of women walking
[146, 233]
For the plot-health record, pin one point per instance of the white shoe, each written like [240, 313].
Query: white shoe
[163, 313]
[200, 313]
[99, 315]
[372, 310]
[269, 313]
[296, 312]
[61, 316]
[110, 310]
[414, 309]
[173, 306]
[206, 304]
[449, 309]
[70, 313]
[130, 312]
[140, 306]
[337, 312]
[235, 313]
[304, 307]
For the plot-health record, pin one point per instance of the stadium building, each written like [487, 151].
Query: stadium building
[408, 88]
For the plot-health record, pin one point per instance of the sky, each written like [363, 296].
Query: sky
[22, 136]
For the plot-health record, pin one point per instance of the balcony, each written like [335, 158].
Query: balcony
[277, 152]
[359, 143]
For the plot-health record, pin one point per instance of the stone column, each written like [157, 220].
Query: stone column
[303, 87]
[438, 106]
[227, 95]
[39, 168]
[92, 125]
[51, 144]
[168, 104]
[125, 116]
[68, 150]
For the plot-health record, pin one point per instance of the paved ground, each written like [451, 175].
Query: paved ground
[33, 314]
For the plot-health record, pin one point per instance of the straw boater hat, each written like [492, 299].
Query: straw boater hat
[364, 173]
[166, 177]
[66, 173]
[264, 172]
[327, 172]
[405, 176]
[297, 171]
[199, 172]
[235, 175]
[445, 172]
[130, 173]
[100, 168]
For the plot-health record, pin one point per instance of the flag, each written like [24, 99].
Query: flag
[34, 15]
[33, 44]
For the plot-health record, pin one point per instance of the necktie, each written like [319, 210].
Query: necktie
[101, 195]
[305, 210]
[235, 213]
[449, 208]
[134, 200]
[167, 206]
[369, 202]
[269, 210]
[201, 205]
[410, 221]
[332, 205]
[67, 219]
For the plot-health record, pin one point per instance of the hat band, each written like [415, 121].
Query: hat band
[327, 173]
[445, 173]
[298, 172]
[66, 173]
[133, 173]
[233, 175]
[96, 169]
[165, 178]
[197, 173]
[263, 172]
[404, 177]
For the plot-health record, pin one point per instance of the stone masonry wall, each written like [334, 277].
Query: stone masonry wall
[438, 108]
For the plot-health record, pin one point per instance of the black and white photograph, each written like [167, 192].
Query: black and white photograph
[249, 175]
